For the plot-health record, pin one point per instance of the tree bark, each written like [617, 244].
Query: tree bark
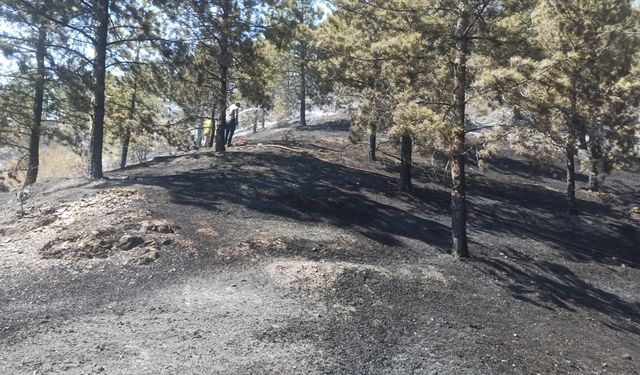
[127, 134]
[222, 108]
[570, 151]
[303, 85]
[594, 184]
[38, 103]
[303, 71]
[406, 150]
[263, 116]
[213, 127]
[126, 141]
[225, 61]
[595, 156]
[458, 178]
[372, 143]
[101, 10]
[571, 176]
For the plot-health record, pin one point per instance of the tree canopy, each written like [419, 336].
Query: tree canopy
[102, 73]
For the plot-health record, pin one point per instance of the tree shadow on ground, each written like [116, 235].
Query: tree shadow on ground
[306, 189]
[538, 212]
[331, 126]
[301, 188]
[525, 169]
[553, 286]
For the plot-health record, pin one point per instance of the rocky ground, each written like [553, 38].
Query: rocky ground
[294, 255]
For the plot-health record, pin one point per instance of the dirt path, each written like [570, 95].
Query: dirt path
[271, 261]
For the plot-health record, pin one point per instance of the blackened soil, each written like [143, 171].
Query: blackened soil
[294, 255]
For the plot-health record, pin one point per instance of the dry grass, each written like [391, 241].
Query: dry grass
[59, 162]
[55, 162]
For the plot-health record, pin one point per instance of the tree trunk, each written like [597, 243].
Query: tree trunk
[99, 71]
[406, 149]
[594, 185]
[303, 78]
[124, 155]
[571, 175]
[458, 178]
[372, 143]
[255, 124]
[570, 151]
[595, 156]
[225, 62]
[212, 132]
[127, 134]
[263, 116]
[303, 94]
[222, 108]
[199, 135]
[38, 102]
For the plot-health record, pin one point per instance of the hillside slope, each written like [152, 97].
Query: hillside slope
[293, 255]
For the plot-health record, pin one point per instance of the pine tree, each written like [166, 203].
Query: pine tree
[224, 29]
[434, 54]
[576, 82]
[291, 29]
[354, 41]
[29, 16]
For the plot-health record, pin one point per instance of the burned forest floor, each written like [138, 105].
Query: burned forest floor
[295, 255]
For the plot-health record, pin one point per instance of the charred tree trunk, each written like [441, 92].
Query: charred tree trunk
[38, 102]
[594, 185]
[406, 150]
[303, 71]
[372, 143]
[126, 141]
[570, 151]
[458, 178]
[595, 154]
[213, 128]
[101, 10]
[571, 176]
[263, 116]
[255, 124]
[303, 85]
[222, 108]
[225, 62]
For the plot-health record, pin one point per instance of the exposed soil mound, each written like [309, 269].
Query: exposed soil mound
[97, 244]
[143, 247]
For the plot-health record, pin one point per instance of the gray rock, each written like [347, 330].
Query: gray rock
[149, 255]
[128, 242]
[160, 226]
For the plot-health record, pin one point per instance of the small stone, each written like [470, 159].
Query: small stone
[627, 356]
[128, 242]
[149, 255]
[160, 226]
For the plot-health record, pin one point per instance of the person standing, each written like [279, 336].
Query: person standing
[233, 114]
